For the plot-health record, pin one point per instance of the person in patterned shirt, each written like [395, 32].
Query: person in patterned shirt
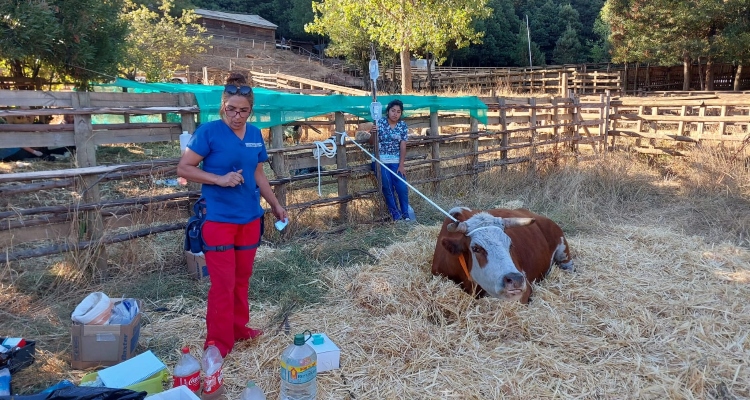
[391, 134]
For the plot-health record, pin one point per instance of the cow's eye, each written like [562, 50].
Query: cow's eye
[476, 248]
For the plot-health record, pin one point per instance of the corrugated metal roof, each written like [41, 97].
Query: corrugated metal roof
[244, 19]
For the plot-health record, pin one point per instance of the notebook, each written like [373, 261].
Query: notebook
[132, 371]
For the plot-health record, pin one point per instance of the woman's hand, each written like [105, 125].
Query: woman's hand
[231, 179]
[401, 170]
[279, 212]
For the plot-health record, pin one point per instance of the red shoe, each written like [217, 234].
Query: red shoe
[250, 334]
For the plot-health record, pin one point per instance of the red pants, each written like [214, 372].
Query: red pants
[228, 310]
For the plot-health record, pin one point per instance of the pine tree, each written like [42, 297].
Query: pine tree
[568, 49]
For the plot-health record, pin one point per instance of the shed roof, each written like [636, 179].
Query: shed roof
[244, 19]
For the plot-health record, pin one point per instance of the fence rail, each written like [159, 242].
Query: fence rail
[523, 130]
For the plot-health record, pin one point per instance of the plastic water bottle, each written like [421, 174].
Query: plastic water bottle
[184, 139]
[213, 382]
[252, 392]
[4, 382]
[187, 372]
[411, 214]
[299, 370]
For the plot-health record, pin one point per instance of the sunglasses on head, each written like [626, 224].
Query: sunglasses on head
[241, 90]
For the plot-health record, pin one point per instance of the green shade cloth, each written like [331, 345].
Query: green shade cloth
[277, 108]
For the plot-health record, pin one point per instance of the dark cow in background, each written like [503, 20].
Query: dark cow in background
[502, 251]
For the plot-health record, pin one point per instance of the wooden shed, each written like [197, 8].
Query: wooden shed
[237, 25]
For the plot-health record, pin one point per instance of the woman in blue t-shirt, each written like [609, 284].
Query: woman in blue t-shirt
[391, 133]
[232, 152]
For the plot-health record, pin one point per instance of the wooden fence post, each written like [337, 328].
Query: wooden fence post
[435, 146]
[474, 129]
[277, 160]
[555, 120]
[576, 124]
[341, 163]
[606, 119]
[88, 187]
[187, 124]
[503, 135]
[187, 119]
[564, 85]
[602, 121]
[723, 125]
[701, 125]
[681, 124]
[532, 127]
[653, 127]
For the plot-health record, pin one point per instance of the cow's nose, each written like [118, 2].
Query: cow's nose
[513, 280]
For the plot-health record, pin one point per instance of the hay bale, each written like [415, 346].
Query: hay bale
[650, 314]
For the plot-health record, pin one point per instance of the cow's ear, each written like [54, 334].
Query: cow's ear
[454, 246]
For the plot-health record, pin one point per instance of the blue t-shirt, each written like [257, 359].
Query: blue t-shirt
[389, 140]
[224, 152]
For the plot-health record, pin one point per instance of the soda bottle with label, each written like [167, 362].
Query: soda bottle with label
[299, 370]
[187, 372]
[213, 381]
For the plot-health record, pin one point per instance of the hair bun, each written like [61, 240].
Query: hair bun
[236, 78]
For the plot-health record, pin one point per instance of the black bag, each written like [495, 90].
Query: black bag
[194, 232]
[83, 393]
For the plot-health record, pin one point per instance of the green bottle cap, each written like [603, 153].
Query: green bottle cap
[250, 384]
[299, 339]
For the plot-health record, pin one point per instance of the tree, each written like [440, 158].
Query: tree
[736, 44]
[29, 29]
[521, 53]
[499, 41]
[81, 40]
[545, 28]
[568, 49]
[670, 31]
[599, 47]
[156, 42]
[401, 25]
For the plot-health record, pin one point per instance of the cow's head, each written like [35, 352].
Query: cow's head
[486, 247]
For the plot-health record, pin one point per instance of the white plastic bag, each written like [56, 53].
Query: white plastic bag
[124, 311]
[95, 309]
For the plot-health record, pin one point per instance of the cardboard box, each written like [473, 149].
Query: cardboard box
[196, 265]
[329, 354]
[104, 345]
[178, 393]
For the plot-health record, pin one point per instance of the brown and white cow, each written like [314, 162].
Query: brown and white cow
[502, 251]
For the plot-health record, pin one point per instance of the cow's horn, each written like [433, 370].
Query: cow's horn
[458, 227]
[511, 222]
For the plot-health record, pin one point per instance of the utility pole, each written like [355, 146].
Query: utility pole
[528, 38]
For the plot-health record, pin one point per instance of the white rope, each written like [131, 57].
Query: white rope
[322, 149]
[344, 136]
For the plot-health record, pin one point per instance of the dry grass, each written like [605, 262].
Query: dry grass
[676, 330]
[657, 309]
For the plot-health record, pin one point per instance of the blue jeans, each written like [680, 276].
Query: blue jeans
[389, 184]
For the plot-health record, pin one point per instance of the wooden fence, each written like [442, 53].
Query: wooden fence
[120, 201]
[581, 79]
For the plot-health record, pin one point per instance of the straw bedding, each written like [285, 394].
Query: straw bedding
[649, 314]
